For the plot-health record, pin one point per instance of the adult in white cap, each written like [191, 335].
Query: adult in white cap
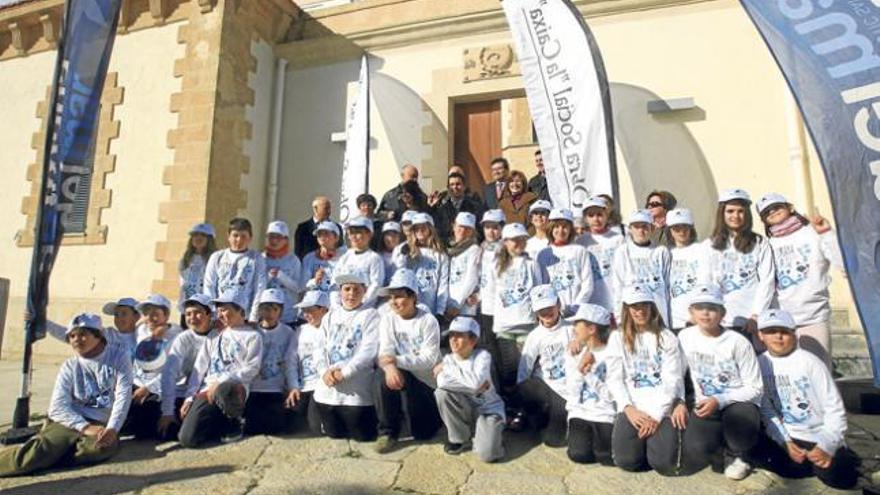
[360, 258]
[319, 265]
[283, 268]
[806, 422]
[515, 276]
[590, 405]
[310, 350]
[727, 386]
[469, 405]
[201, 245]
[225, 367]
[464, 267]
[264, 410]
[646, 378]
[539, 214]
[491, 223]
[198, 311]
[344, 395]
[802, 258]
[541, 375]
[237, 268]
[741, 262]
[447, 205]
[424, 254]
[601, 240]
[566, 264]
[89, 404]
[640, 262]
[409, 348]
[690, 267]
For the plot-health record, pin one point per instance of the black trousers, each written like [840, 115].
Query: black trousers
[545, 409]
[590, 441]
[208, 422]
[306, 411]
[264, 413]
[143, 419]
[658, 452]
[841, 474]
[488, 342]
[420, 402]
[506, 356]
[736, 428]
[354, 422]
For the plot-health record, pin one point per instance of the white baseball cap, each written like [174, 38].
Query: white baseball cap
[640, 216]
[278, 227]
[352, 277]
[710, 294]
[514, 230]
[326, 226]
[200, 299]
[154, 300]
[85, 320]
[464, 324]
[496, 216]
[203, 228]
[592, 313]
[233, 296]
[420, 218]
[110, 308]
[465, 219]
[403, 278]
[390, 227]
[360, 222]
[594, 202]
[679, 216]
[635, 294]
[314, 298]
[543, 296]
[540, 204]
[407, 216]
[273, 296]
[769, 200]
[561, 214]
[776, 318]
[735, 193]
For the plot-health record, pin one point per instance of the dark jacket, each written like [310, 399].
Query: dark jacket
[444, 213]
[390, 202]
[538, 185]
[489, 196]
[304, 240]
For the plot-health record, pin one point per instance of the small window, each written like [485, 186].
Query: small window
[75, 221]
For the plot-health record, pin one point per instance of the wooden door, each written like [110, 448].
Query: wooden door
[477, 140]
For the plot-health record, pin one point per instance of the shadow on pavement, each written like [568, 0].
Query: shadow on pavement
[111, 484]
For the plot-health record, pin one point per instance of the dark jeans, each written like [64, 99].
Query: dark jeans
[264, 413]
[545, 409]
[206, 422]
[488, 342]
[420, 403]
[589, 441]
[658, 452]
[143, 419]
[307, 410]
[736, 428]
[355, 422]
[505, 355]
[841, 474]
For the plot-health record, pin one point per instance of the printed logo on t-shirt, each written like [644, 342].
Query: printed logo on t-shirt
[738, 271]
[97, 390]
[553, 361]
[343, 341]
[515, 285]
[600, 262]
[273, 361]
[593, 388]
[793, 399]
[563, 274]
[713, 377]
[646, 369]
[682, 277]
[408, 344]
[792, 265]
[425, 277]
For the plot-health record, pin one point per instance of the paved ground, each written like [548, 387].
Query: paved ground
[299, 464]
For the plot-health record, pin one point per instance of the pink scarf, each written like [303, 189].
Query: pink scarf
[788, 226]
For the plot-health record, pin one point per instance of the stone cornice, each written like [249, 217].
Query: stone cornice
[344, 32]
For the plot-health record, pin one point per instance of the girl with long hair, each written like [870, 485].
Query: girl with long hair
[424, 254]
[192, 265]
[601, 240]
[690, 265]
[565, 264]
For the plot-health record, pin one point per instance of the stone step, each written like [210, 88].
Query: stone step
[840, 318]
[848, 344]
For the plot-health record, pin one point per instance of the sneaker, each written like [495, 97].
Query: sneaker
[738, 469]
[384, 444]
[235, 433]
[453, 448]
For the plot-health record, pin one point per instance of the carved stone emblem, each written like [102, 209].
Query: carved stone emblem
[489, 62]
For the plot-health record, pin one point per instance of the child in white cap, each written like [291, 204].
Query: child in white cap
[226, 365]
[601, 240]
[802, 409]
[646, 378]
[690, 266]
[392, 237]
[424, 254]
[492, 223]
[469, 405]
[409, 347]
[283, 268]
[361, 259]
[638, 261]
[727, 389]
[155, 337]
[565, 264]
[539, 211]
[264, 412]
[541, 374]
[198, 311]
[741, 263]
[803, 253]
[590, 406]
[237, 268]
[201, 245]
[309, 352]
[89, 404]
[465, 255]
[350, 334]
[319, 265]
[123, 332]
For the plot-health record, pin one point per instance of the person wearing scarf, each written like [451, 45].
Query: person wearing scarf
[515, 204]
[282, 268]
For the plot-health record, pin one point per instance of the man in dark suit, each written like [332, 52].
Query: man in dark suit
[493, 191]
[538, 183]
[304, 240]
[446, 206]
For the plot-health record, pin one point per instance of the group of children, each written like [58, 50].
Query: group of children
[586, 338]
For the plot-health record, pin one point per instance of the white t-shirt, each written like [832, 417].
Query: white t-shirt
[589, 398]
[415, 343]
[690, 269]
[747, 281]
[724, 367]
[568, 269]
[464, 279]
[601, 248]
[351, 343]
[543, 356]
[512, 306]
[647, 266]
